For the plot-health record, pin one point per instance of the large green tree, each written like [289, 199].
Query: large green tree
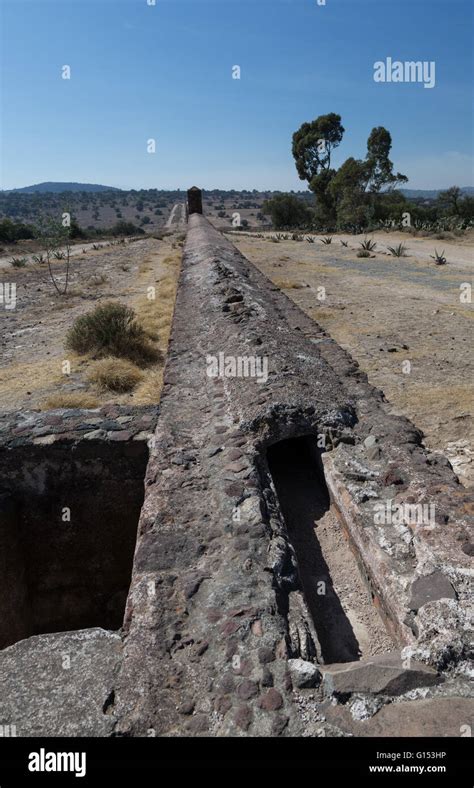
[313, 144]
[287, 211]
[380, 168]
[350, 195]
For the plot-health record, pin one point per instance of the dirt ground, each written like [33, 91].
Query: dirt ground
[32, 335]
[387, 311]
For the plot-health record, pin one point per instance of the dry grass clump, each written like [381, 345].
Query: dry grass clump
[115, 374]
[111, 329]
[289, 284]
[70, 400]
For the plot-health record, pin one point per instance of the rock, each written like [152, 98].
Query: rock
[243, 717]
[223, 704]
[198, 724]
[365, 707]
[75, 674]
[434, 717]
[443, 633]
[248, 689]
[187, 707]
[279, 724]
[374, 453]
[392, 476]
[265, 655]
[271, 701]
[370, 441]
[95, 435]
[429, 588]
[303, 674]
[267, 677]
[380, 675]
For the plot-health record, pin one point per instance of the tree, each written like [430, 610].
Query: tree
[312, 148]
[14, 231]
[287, 211]
[54, 235]
[350, 195]
[379, 167]
[450, 199]
[313, 144]
[466, 207]
[347, 190]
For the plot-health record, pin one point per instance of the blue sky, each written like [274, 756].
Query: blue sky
[165, 72]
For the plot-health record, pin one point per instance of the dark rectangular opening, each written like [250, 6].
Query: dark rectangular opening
[68, 527]
[346, 622]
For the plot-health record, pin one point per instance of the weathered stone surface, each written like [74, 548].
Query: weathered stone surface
[380, 675]
[204, 500]
[47, 428]
[59, 684]
[434, 717]
[303, 674]
[271, 701]
[429, 588]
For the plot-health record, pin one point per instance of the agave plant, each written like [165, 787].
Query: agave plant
[59, 255]
[398, 251]
[18, 262]
[327, 240]
[39, 258]
[368, 245]
[345, 243]
[310, 239]
[439, 258]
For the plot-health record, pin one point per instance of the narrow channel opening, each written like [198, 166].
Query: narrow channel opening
[68, 528]
[346, 623]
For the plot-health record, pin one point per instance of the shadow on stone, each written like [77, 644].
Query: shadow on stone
[303, 497]
[68, 527]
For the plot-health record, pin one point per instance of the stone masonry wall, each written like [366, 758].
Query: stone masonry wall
[208, 647]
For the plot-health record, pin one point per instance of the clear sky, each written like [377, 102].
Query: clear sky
[165, 72]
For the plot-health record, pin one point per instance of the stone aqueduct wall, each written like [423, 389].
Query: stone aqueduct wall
[216, 634]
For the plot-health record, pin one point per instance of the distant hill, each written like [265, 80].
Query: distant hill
[431, 194]
[58, 187]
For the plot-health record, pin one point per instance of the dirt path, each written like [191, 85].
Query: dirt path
[386, 312]
[172, 220]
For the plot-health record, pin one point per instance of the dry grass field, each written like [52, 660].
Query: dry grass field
[33, 374]
[387, 311]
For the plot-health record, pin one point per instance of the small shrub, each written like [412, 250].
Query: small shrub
[398, 251]
[98, 279]
[114, 374]
[439, 258]
[367, 246]
[111, 329]
[363, 253]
